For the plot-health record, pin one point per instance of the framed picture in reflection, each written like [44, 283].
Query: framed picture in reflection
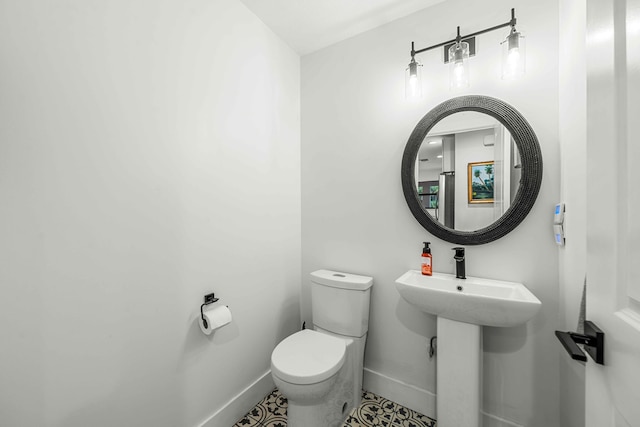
[480, 182]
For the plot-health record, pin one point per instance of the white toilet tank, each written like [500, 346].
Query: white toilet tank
[340, 302]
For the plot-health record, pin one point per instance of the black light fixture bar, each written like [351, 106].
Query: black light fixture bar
[458, 38]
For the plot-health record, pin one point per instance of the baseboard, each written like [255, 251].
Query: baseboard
[242, 403]
[410, 396]
[416, 398]
[489, 420]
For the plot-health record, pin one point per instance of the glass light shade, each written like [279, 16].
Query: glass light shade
[513, 55]
[413, 80]
[459, 65]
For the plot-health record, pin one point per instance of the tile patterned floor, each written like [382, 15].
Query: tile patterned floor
[373, 411]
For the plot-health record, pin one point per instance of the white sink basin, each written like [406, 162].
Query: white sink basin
[473, 300]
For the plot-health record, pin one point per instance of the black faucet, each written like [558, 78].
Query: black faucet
[459, 257]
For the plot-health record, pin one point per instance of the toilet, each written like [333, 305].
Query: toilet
[320, 370]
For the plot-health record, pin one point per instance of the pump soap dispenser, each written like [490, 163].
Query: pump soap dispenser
[426, 259]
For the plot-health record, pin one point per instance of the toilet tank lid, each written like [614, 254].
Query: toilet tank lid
[337, 279]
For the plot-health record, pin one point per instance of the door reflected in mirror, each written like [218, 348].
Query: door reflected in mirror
[467, 171]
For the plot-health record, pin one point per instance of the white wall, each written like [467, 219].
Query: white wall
[355, 123]
[149, 154]
[429, 171]
[573, 152]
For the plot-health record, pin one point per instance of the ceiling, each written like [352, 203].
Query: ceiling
[310, 25]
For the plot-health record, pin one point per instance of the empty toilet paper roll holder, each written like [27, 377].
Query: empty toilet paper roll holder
[208, 299]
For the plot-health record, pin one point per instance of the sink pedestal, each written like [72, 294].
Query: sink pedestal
[458, 374]
[463, 306]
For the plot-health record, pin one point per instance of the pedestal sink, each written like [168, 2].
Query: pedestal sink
[462, 307]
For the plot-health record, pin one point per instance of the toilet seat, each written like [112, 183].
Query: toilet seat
[308, 357]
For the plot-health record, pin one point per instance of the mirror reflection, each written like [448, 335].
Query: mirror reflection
[467, 171]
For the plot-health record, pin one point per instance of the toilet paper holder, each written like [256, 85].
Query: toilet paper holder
[592, 339]
[208, 299]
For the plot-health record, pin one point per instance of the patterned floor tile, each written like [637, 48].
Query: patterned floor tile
[275, 404]
[373, 411]
[353, 421]
[279, 421]
[246, 421]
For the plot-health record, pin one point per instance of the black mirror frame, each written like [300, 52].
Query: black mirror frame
[530, 181]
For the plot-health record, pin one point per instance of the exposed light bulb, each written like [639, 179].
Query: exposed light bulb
[458, 69]
[513, 55]
[413, 81]
[458, 74]
[513, 62]
[413, 86]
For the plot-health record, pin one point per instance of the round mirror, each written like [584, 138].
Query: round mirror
[471, 170]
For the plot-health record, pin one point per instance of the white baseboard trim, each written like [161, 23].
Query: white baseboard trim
[416, 398]
[242, 403]
[489, 420]
[410, 396]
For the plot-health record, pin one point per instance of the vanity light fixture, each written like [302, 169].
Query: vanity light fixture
[457, 53]
[459, 64]
[413, 82]
[513, 55]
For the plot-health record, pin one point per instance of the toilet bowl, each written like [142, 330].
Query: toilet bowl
[319, 371]
[305, 368]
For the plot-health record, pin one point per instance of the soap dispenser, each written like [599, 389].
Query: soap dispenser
[426, 259]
